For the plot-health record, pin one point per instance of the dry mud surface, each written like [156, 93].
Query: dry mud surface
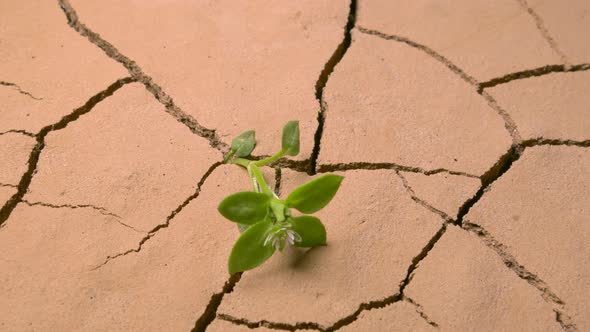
[462, 129]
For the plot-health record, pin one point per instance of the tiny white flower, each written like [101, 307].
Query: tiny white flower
[280, 236]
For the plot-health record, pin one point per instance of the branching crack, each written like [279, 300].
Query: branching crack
[509, 123]
[18, 88]
[320, 85]
[26, 179]
[8, 185]
[536, 72]
[211, 310]
[420, 311]
[17, 131]
[169, 218]
[544, 32]
[511, 263]
[137, 73]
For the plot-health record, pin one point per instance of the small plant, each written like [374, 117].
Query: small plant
[265, 221]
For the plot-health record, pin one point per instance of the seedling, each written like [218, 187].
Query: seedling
[265, 221]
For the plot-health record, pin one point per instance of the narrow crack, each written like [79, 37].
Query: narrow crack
[8, 185]
[18, 88]
[422, 202]
[320, 85]
[137, 73]
[26, 179]
[512, 264]
[210, 312]
[544, 32]
[100, 210]
[169, 218]
[324, 168]
[272, 325]
[536, 72]
[17, 131]
[509, 123]
[420, 311]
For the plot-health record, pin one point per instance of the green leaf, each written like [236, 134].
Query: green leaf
[311, 230]
[250, 251]
[290, 143]
[244, 144]
[245, 207]
[315, 194]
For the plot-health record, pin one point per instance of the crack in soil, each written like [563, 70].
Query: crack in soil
[375, 166]
[17, 131]
[137, 73]
[536, 72]
[556, 142]
[271, 325]
[509, 123]
[101, 210]
[512, 264]
[8, 185]
[169, 218]
[420, 311]
[210, 312]
[320, 85]
[375, 304]
[18, 88]
[422, 202]
[26, 179]
[544, 32]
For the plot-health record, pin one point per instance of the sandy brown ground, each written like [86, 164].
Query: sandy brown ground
[462, 129]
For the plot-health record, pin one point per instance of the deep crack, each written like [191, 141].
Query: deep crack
[278, 176]
[137, 73]
[536, 72]
[169, 218]
[320, 85]
[18, 88]
[26, 179]
[211, 310]
[511, 263]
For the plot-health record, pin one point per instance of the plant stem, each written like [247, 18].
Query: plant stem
[241, 161]
[258, 181]
[271, 159]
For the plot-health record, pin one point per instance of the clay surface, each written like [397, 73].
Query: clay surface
[540, 210]
[549, 107]
[50, 69]
[461, 129]
[475, 35]
[460, 274]
[388, 102]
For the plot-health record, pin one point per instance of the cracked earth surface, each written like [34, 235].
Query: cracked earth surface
[462, 130]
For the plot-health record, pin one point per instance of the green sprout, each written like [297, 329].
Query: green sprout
[265, 221]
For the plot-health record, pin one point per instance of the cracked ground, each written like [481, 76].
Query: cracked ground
[462, 130]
